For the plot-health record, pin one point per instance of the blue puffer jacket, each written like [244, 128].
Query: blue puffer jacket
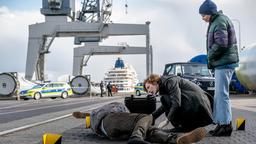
[221, 42]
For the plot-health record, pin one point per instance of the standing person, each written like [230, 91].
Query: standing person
[114, 122]
[184, 103]
[101, 88]
[109, 88]
[222, 55]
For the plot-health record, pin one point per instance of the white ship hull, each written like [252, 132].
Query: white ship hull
[124, 78]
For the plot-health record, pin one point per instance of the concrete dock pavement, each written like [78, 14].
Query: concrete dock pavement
[73, 130]
[243, 106]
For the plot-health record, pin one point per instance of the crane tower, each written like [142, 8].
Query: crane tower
[90, 25]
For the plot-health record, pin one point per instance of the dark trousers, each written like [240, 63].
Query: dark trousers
[101, 92]
[129, 125]
[110, 93]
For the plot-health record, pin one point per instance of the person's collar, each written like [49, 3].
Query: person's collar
[160, 82]
[213, 17]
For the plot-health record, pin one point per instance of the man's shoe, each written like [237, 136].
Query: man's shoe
[80, 115]
[192, 137]
[137, 140]
[224, 130]
[212, 132]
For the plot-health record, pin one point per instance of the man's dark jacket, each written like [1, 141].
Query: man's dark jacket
[185, 104]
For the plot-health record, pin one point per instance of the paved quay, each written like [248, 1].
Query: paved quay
[243, 106]
[73, 130]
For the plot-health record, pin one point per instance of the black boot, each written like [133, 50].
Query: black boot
[211, 132]
[223, 130]
[137, 140]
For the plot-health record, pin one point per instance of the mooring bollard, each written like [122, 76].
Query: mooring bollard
[49, 138]
[240, 124]
[87, 121]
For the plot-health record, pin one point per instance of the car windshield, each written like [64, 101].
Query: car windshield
[38, 86]
[201, 70]
[139, 84]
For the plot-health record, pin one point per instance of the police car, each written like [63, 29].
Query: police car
[52, 90]
[139, 89]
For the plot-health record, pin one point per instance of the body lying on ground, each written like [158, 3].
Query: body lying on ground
[115, 122]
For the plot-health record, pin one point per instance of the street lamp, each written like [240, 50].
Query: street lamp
[239, 33]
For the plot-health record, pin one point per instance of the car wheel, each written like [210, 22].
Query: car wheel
[138, 93]
[37, 96]
[64, 95]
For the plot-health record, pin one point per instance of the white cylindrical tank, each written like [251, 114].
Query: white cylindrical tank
[246, 72]
[80, 85]
[8, 84]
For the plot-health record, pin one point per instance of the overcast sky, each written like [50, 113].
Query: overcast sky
[177, 34]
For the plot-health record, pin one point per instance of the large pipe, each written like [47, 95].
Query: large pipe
[8, 84]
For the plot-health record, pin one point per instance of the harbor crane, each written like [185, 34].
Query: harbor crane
[90, 26]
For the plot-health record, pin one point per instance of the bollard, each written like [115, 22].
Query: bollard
[49, 138]
[240, 124]
[87, 121]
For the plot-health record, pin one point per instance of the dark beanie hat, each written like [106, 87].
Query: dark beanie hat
[208, 8]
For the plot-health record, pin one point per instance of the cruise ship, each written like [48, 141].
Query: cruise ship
[122, 75]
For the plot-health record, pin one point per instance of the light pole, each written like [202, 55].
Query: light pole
[239, 33]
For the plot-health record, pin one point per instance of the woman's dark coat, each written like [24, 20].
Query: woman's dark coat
[185, 104]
